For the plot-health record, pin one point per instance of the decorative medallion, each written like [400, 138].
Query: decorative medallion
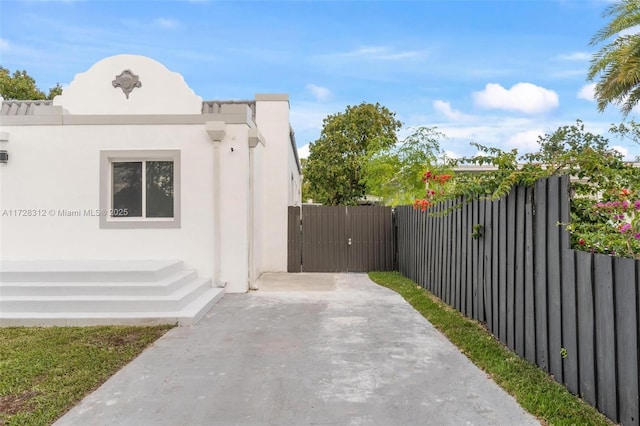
[127, 81]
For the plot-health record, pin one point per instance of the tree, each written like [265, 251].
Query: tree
[395, 173]
[618, 63]
[335, 169]
[605, 200]
[22, 86]
[629, 131]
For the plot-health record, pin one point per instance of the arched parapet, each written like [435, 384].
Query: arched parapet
[129, 84]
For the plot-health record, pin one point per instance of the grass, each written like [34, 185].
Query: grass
[532, 387]
[46, 371]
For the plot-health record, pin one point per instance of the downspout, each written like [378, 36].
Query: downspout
[216, 131]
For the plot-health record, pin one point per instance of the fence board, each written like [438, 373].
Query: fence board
[427, 265]
[464, 259]
[437, 281]
[469, 275]
[419, 247]
[495, 263]
[529, 288]
[554, 293]
[519, 272]
[474, 259]
[569, 307]
[502, 268]
[586, 327]
[428, 227]
[626, 311]
[458, 263]
[605, 336]
[480, 273]
[542, 354]
[510, 254]
[294, 240]
[488, 285]
[450, 253]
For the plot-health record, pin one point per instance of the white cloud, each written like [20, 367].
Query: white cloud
[4, 44]
[451, 154]
[303, 151]
[630, 31]
[566, 74]
[379, 53]
[307, 117]
[574, 56]
[587, 92]
[525, 141]
[320, 93]
[444, 108]
[523, 97]
[622, 150]
[166, 23]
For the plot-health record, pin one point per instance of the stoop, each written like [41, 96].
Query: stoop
[101, 292]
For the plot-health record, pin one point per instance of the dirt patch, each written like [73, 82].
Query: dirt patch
[13, 404]
[123, 340]
[117, 340]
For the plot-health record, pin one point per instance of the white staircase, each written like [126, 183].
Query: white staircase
[65, 293]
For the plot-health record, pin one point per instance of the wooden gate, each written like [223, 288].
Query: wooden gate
[341, 239]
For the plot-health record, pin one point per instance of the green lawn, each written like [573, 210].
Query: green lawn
[533, 388]
[46, 371]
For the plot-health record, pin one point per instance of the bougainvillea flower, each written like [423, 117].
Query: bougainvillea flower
[624, 227]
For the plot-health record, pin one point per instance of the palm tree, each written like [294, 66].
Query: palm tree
[618, 63]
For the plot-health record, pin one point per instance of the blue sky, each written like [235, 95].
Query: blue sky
[497, 72]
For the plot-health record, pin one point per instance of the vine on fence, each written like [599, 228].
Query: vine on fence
[605, 207]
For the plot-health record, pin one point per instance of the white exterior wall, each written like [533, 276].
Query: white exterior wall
[161, 91]
[232, 196]
[234, 199]
[295, 179]
[258, 212]
[56, 168]
[272, 118]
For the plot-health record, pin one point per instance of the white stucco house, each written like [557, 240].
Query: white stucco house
[129, 197]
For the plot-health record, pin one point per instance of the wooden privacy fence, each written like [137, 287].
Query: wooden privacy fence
[574, 314]
[340, 239]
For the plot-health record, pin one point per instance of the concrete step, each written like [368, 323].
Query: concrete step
[87, 270]
[164, 286]
[112, 303]
[46, 293]
[188, 315]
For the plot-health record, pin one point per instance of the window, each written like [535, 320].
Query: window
[140, 189]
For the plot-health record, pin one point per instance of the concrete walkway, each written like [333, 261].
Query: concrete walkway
[306, 349]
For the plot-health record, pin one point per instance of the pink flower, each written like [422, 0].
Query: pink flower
[624, 228]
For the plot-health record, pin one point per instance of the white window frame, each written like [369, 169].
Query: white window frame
[107, 158]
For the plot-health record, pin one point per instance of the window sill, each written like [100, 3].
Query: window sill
[139, 223]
